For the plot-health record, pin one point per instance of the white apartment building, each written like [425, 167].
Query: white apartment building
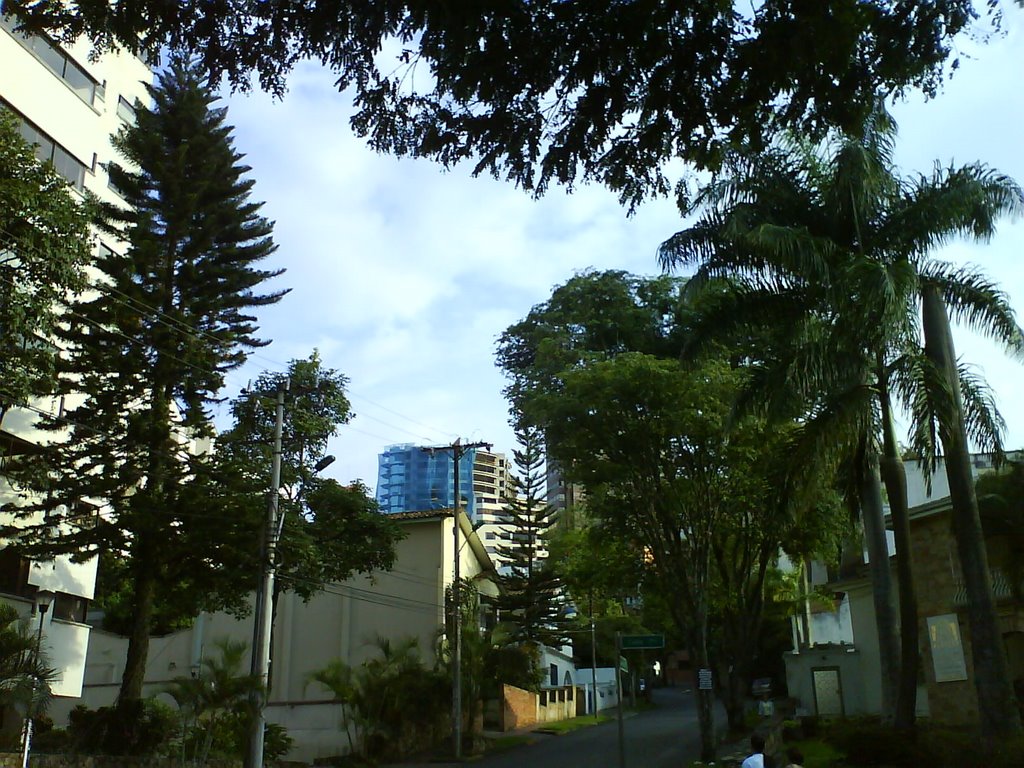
[68, 106]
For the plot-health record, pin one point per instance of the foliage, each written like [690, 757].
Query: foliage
[550, 91]
[318, 514]
[687, 489]
[513, 664]
[598, 568]
[25, 672]
[1001, 505]
[392, 704]
[330, 531]
[796, 232]
[148, 351]
[141, 727]
[531, 605]
[45, 245]
[214, 702]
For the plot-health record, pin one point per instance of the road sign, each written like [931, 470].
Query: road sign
[636, 642]
[623, 664]
[704, 679]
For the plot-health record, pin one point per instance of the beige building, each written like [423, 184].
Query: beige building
[68, 106]
[342, 622]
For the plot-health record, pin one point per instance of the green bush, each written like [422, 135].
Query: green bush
[139, 728]
[230, 738]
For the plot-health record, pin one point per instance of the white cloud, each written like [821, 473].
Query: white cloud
[403, 275]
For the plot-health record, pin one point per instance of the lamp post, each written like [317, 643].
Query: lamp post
[42, 604]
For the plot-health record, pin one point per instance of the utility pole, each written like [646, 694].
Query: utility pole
[593, 656]
[265, 594]
[458, 448]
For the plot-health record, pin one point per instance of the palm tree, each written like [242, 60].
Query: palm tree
[25, 674]
[832, 241]
[220, 690]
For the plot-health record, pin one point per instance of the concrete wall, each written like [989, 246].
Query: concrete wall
[342, 622]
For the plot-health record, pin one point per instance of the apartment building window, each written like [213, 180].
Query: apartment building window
[125, 110]
[56, 60]
[49, 151]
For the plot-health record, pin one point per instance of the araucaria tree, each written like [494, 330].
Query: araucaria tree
[531, 606]
[44, 247]
[148, 349]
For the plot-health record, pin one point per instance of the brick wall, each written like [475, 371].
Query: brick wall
[520, 708]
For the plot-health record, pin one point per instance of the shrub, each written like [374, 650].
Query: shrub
[139, 728]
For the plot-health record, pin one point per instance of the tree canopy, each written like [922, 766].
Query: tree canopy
[548, 91]
[45, 245]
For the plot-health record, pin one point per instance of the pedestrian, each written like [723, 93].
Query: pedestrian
[795, 757]
[756, 760]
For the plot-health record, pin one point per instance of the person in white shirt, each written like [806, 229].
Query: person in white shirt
[756, 760]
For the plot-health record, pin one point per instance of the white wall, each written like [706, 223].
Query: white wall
[342, 622]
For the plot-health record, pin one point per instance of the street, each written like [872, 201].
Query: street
[663, 737]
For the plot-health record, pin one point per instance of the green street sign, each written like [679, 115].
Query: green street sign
[637, 642]
[623, 664]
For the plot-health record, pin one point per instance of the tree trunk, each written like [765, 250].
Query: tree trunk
[733, 689]
[881, 581]
[1000, 719]
[894, 475]
[138, 640]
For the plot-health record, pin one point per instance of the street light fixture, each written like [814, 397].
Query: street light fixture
[43, 599]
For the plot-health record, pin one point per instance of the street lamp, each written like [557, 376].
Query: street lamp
[43, 600]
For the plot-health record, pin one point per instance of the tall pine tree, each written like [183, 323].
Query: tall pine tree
[531, 607]
[148, 350]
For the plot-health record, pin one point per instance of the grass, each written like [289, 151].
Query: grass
[817, 754]
[502, 743]
[567, 726]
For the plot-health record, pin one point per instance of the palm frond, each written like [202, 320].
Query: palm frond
[985, 424]
[977, 302]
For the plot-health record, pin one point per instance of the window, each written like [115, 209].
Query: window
[125, 110]
[70, 607]
[14, 574]
[554, 675]
[50, 54]
[49, 151]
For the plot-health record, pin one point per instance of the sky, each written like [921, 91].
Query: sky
[403, 275]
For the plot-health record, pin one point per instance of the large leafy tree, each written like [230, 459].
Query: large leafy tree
[833, 245]
[532, 604]
[148, 349]
[45, 245]
[666, 471]
[550, 91]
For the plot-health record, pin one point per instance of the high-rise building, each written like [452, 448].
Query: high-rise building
[412, 478]
[68, 104]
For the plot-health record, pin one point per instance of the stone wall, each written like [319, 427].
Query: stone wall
[13, 760]
[937, 576]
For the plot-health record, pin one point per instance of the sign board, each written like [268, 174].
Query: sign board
[637, 642]
[947, 648]
[704, 679]
[623, 664]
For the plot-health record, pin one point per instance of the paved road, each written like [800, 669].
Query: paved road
[664, 737]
